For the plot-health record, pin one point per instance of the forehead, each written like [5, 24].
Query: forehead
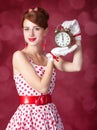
[28, 23]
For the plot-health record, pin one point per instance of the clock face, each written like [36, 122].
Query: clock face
[62, 39]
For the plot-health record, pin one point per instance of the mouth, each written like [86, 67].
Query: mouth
[32, 39]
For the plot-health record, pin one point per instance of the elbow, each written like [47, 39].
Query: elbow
[40, 88]
[78, 68]
[43, 90]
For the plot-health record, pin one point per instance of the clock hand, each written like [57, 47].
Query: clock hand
[62, 38]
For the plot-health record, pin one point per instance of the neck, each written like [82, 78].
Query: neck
[36, 54]
[34, 50]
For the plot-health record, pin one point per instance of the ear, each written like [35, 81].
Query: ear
[45, 31]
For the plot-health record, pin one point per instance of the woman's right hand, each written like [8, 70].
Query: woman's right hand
[63, 51]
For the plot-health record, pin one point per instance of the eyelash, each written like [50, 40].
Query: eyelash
[26, 29]
[37, 28]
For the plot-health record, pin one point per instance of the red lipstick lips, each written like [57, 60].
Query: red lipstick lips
[32, 39]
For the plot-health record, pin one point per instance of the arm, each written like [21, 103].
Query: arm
[22, 65]
[75, 65]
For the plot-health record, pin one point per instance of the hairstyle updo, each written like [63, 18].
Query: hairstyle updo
[38, 16]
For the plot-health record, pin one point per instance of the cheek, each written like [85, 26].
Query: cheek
[39, 36]
[25, 34]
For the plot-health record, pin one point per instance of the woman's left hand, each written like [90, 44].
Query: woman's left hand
[74, 27]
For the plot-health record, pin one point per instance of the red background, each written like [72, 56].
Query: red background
[75, 93]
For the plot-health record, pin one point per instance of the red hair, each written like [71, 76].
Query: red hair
[38, 16]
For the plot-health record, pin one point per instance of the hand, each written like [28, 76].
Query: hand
[73, 25]
[50, 57]
[62, 51]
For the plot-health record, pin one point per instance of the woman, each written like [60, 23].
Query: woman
[34, 75]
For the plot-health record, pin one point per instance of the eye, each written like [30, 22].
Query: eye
[26, 29]
[37, 28]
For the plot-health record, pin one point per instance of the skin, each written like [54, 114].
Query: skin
[35, 52]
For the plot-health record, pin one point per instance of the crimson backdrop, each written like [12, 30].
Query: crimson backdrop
[75, 94]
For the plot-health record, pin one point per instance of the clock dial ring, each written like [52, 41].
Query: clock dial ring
[62, 39]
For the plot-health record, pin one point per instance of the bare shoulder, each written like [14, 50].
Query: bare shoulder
[18, 56]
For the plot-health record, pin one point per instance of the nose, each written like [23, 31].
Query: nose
[32, 32]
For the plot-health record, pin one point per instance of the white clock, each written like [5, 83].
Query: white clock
[63, 37]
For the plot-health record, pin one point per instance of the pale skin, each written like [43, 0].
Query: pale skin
[34, 51]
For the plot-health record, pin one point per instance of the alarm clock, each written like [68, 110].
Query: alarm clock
[63, 37]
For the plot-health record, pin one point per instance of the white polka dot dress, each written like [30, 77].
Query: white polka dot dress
[31, 116]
